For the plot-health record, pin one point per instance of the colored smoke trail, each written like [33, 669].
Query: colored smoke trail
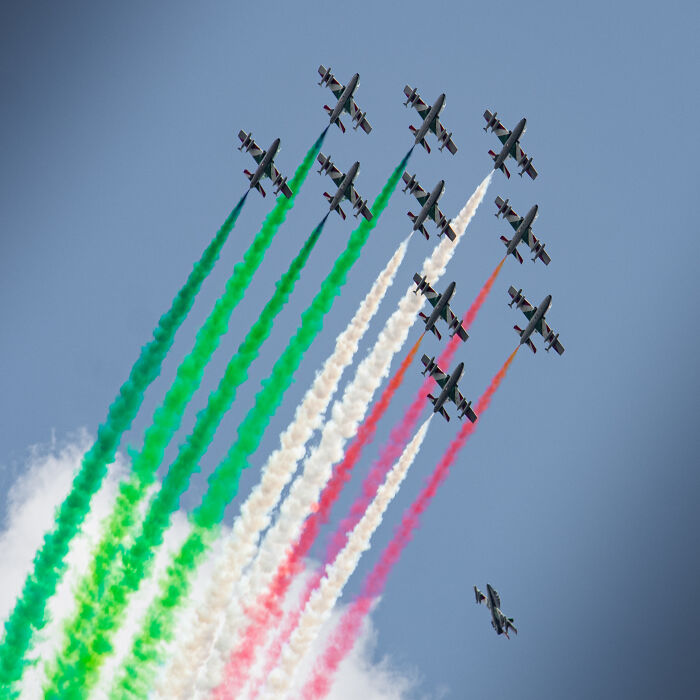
[324, 598]
[390, 452]
[166, 422]
[346, 415]
[78, 666]
[223, 482]
[29, 613]
[344, 636]
[264, 611]
[239, 549]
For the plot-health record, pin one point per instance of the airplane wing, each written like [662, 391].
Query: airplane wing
[359, 204]
[532, 242]
[326, 165]
[498, 128]
[460, 402]
[418, 192]
[358, 116]
[436, 373]
[416, 101]
[278, 180]
[336, 86]
[511, 216]
[430, 294]
[520, 155]
[546, 332]
[444, 137]
[524, 305]
[252, 147]
[448, 316]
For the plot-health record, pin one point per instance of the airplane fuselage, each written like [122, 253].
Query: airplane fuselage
[429, 204]
[345, 185]
[447, 390]
[430, 118]
[439, 307]
[344, 97]
[265, 163]
[508, 145]
[525, 225]
[536, 318]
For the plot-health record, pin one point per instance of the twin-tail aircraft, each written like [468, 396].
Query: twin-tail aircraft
[346, 190]
[431, 120]
[499, 621]
[346, 103]
[450, 391]
[429, 207]
[511, 145]
[441, 308]
[266, 166]
[523, 231]
[535, 315]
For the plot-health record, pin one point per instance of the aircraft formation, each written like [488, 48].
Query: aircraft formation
[104, 594]
[522, 225]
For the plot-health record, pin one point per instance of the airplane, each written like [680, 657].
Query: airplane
[344, 183]
[449, 392]
[266, 166]
[441, 308]
[345, 103]
[511, 145]
[429, 207]
[535, 314]
[431, 120]
[499, 621]
[523, 231]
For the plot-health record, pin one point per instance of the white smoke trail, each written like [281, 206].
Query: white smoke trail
[239, 550]
[319, 606]
[345, 419]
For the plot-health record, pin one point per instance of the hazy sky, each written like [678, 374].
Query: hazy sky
[577, 497]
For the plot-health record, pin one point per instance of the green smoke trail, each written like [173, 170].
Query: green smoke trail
[166, 421]
[29, 613]
[76, 668]
[137, 672]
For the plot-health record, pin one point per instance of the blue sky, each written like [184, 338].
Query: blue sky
[576, 497]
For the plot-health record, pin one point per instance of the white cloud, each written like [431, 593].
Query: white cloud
[31, 502]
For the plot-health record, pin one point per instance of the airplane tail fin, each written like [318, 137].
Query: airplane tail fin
[341, 212]
[259, 188]
[248, 174]
[433, 330]
[502, 167]
[480, 597]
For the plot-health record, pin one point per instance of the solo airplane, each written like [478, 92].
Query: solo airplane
[344, 94]
[429, 207]
[431, 120]
[344, 183]
[449, 392]
[441, 308]
[523, 232]
[535, 314]
[499, 621]
[266, 166]
[511, 145]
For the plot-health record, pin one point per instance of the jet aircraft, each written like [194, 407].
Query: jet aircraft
[429, 207]
[266, 166]
[441, 308]
[535, 315]
[344, 183]
[499, 621]
[523, 231]
[431, 120]
[511, 145]
[344, 94]
[449, 392]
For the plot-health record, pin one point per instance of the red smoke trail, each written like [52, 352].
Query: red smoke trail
[268, 607]
[398, 439]
[345, 634]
